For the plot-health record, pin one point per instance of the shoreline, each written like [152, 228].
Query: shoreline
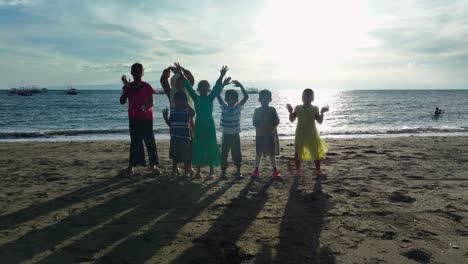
[163, 138]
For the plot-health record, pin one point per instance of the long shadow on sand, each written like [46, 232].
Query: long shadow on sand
[300, 229]
[15, 219]
[140, 248]
[78, 238]
[218, 244]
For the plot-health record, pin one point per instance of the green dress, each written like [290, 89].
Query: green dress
[205, 150]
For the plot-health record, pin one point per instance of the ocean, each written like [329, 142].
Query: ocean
[94, 115]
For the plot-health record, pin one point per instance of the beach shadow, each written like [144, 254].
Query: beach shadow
[79, 237]
[301, 226]
[15, 219]
[141, 247]
[218, 244]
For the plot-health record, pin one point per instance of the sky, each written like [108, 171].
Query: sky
[333, 44]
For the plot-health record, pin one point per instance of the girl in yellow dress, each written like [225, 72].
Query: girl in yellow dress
[308, 144]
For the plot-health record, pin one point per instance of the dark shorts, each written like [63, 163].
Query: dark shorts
[180, 149]
[266, 145]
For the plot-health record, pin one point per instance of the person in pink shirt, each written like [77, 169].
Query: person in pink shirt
[140, 114]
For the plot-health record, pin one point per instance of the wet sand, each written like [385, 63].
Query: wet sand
[393, 200]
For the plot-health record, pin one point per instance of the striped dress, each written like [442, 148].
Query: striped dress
[181, 144]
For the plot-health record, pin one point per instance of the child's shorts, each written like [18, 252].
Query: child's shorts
[266, 145]
[180, 149]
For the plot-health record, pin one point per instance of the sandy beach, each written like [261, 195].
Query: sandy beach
[391, 200]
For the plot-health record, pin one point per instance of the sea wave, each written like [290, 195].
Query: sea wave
[67, 133]
[403, 130]
[31, 135]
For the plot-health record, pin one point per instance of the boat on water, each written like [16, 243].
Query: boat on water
[71, 91]
[251, 90]
[26, 90]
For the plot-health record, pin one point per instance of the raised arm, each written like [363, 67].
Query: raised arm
[164, 80]
[292, 113]
[187, 85]
[244, 92]
[220, 83]
[188, 75]
[124, 97]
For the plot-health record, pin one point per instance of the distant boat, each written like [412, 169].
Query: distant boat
[251, 90]
[71, 91]
[27, 90]
[24, 93]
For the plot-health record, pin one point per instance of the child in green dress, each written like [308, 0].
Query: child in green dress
[265, 121]
[307, 142]
[205, 150]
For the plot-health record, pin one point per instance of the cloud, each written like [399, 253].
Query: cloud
[96, 41]
[14, 2]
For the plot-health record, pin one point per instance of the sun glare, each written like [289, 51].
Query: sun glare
[304, 36]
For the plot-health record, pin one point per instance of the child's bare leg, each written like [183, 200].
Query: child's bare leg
[256, 172]
[320, 173]
[198, 174]
[297, 161]
[273, 161]
[258, 159]
[187, 168]
[275, 174]
[211, 175]
[175, 170]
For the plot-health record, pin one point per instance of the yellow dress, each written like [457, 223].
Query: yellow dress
[309, 145]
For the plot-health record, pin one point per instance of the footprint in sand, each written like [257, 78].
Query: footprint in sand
[418, 255]
[400, 197]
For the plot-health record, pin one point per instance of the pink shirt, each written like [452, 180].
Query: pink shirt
[139, 98]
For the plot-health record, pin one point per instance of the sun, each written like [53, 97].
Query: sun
[309, 36]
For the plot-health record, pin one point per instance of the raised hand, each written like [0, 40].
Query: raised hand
[177, 68]
[227, 81]
[224, 70]
[172, 69]
[324, 109]
[125, 81]
[165, 112]
[290, 108]
[236, 83]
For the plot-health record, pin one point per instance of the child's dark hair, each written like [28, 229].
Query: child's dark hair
[264, 93]
[232, 93]
[179, 95]
[137, 67]
[308, 90]
[203, 83]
